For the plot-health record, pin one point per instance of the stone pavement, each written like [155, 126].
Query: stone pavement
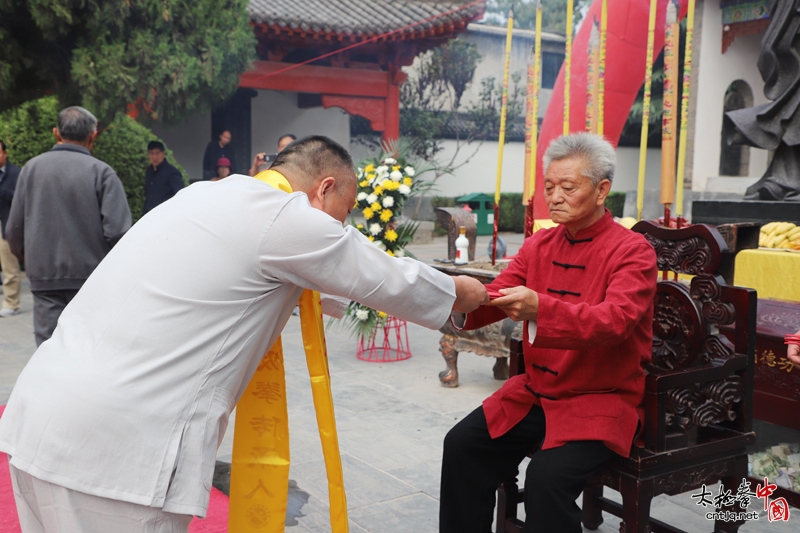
[391, 420]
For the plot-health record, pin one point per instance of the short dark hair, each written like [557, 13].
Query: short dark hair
[76, 124]
[290, 135]
[314, 157]
[3, 145]
[156, 145]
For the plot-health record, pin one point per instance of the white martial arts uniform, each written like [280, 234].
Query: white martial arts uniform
[130, 397]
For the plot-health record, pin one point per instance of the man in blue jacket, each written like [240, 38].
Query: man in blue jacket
[8, 263]
[162, 180]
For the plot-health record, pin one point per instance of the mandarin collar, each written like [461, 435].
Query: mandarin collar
[595, 229]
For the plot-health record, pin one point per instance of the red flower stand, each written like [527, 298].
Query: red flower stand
[393, 348]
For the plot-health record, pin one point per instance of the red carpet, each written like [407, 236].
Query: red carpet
[215, 522]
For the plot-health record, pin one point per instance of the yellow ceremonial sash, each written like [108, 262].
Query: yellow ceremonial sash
[260, 464]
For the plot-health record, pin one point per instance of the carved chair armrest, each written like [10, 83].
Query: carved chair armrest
[661, 381]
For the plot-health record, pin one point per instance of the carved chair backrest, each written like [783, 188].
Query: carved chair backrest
[699, 383]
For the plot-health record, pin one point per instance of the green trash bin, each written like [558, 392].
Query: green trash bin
[482, 206]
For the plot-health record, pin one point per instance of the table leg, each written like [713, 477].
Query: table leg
[449, 376]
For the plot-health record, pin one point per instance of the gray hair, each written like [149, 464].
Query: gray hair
[76, 124]
[600, 160]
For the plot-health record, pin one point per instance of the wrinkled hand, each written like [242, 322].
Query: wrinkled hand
[793, 353]
[470, 294]
[519, 303]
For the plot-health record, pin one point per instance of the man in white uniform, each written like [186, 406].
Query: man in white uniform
[114, 423]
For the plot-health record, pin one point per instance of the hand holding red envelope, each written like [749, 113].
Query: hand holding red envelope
[788, 339]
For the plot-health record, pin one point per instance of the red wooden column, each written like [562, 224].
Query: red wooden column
[391, 114]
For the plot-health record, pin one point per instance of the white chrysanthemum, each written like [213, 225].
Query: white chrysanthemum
[382, 170]
[410, 171]
[389, 161]
[405, 190]
[361, 196]
[388, 201]
[362, 314]
[380, 246]
[374, 228]
[400, 253]
[372, 198]
[396, 175]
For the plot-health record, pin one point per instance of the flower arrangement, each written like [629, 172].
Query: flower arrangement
[384, 184]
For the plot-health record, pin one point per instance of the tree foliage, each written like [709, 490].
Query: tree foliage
[554, 13]
[27, 130]
[431, 102]
[168, 58]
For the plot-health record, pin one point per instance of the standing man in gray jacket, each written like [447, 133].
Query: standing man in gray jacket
[69, 209]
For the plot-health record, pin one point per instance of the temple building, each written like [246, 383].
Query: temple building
[362, 46]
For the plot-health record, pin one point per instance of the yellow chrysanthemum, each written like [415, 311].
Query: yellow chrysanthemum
[360, 226]
[392, 185]
[378, 190]
[391, 235]
[371, 176]
[407, 181]
[386, 215]
[363, 183]
[382, 314]
[390, 252]
[396, 167]
[371, 238]
[369, 168]
[375, 206]
[368, 213]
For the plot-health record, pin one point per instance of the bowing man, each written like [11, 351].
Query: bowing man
[114, 423]
[585, 292]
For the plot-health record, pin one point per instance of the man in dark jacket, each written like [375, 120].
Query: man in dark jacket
[69, 210]
[8, 263]
[214, 151]
[162, 180]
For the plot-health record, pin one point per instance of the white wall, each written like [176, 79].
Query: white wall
[188, 142]
[627, 175]
[715, 73]
[275, 113]
[479, 174]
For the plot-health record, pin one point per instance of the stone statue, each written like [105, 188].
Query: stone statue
[776, 125]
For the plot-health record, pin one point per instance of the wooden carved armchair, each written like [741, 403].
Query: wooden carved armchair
[698, 396]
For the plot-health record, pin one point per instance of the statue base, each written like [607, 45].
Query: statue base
[717, 212]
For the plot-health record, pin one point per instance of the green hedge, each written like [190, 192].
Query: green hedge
[512, 212]
[28, 132]
[615, 202]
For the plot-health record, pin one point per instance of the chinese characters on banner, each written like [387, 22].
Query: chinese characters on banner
[777, 508]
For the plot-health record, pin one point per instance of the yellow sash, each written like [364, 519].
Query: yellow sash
[260, 464]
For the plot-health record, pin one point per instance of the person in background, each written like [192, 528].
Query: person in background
[8, 263]
[259, 162]
[162, 180]
[69, 210]
[215, 150]
[285, 141]
[223, 169]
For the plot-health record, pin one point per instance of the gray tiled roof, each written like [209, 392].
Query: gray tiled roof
[362, 18]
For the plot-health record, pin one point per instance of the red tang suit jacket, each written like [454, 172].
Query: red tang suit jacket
[594, 334]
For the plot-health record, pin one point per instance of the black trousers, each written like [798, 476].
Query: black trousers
[47, 307]
[474, 465]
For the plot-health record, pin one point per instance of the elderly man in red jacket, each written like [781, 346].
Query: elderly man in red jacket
[585, 291]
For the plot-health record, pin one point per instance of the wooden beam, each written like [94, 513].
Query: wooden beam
[315, 79]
